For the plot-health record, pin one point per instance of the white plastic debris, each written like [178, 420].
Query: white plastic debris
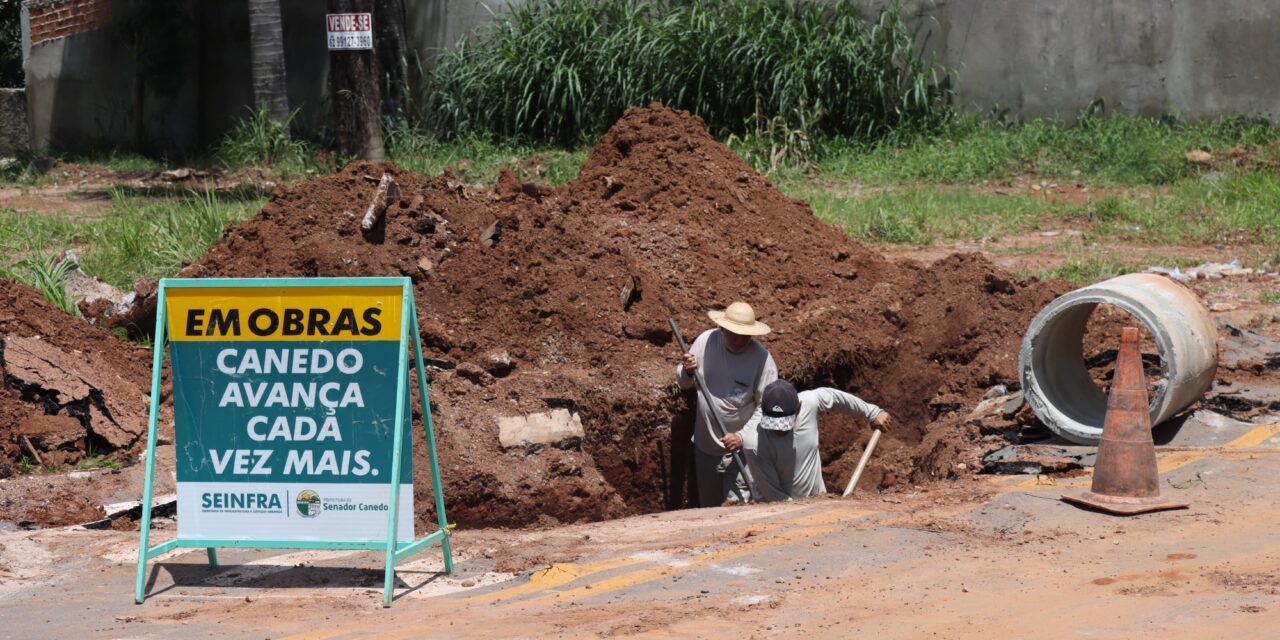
[1206, 271]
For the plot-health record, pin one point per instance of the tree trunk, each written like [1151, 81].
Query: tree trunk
[266, 54]
[355, 92]
[392, 48]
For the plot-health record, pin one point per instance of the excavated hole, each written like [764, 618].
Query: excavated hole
[904, 456]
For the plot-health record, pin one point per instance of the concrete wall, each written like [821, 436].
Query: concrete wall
[14, 134]
[83, 92]
[434, 26]
[1190, 58]
[224, 85]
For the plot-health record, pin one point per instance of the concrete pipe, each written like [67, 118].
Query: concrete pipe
[1051, 364]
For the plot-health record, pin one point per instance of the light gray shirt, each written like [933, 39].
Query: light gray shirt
[736, 382]
[788, 464]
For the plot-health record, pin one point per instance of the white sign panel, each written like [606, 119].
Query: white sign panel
[350, 30]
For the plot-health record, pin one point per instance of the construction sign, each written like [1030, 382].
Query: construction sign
[284, 401]
[292, 425]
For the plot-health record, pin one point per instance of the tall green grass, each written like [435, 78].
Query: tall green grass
[47, 274]
[258, 140]
[564, 70]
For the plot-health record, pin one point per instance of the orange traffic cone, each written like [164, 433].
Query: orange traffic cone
[1125, 478]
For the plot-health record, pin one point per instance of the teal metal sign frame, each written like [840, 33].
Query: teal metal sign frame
[396, 551]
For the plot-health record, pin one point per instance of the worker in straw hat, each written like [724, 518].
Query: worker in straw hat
[736, 369]
[781, 441]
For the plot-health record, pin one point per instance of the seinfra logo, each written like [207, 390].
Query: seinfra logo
[308, 504]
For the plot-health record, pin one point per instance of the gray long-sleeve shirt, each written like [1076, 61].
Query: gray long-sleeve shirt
[788, 464]
[735, 380]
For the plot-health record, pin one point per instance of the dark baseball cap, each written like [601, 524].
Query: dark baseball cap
[780, 400]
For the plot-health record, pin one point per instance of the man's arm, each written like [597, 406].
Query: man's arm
[835, 400]
[746, 437]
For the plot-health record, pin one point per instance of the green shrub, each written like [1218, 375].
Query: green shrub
[258, 140]
[564, 70]
[47, 274]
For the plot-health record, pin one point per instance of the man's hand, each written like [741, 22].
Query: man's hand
[689, 362]
[883, 422]
[732, 441]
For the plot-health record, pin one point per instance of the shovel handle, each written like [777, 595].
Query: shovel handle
[862, 464]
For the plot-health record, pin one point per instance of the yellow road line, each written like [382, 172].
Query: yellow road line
[1167, 461]
[554, 576]
[788, 531]
[1254, 438]
[793, 531]
[563, 573]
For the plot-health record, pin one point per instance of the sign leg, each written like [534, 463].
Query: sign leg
[213, 556]
[157, 364]
[141, 584]
[446, 543]
[402, 396]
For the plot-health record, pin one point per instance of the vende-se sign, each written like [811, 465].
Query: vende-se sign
[350, 30]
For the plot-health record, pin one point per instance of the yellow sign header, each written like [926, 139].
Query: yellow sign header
[284, 313]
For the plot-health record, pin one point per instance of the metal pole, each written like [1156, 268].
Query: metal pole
[715, 414]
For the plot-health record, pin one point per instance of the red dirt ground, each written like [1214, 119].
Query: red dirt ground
[91, 390]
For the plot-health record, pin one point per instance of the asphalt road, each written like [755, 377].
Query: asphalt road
[992, 558]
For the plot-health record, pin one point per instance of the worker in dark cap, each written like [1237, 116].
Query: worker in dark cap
[782, 441]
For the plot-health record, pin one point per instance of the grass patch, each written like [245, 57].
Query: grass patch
[1151, 192]
[1271, 297]
[1083, 270]
[477, 160]
[27, 466]
[141, 237]
[48, 275]
[258, 141]
[922, 214]
[97, 462]
[1116, 149]
[136, 237]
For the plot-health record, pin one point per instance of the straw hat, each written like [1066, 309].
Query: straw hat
[739, 318]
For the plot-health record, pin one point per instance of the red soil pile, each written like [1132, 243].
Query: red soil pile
[568, 308]
[67, 388]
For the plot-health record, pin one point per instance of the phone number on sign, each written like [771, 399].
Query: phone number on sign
[350, 41]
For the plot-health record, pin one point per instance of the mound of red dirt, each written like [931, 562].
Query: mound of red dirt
[535, 299]
[68, 388]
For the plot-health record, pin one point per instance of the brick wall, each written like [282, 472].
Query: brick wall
[61, 18]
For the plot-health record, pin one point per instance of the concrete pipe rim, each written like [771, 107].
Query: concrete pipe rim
[1047, 395]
